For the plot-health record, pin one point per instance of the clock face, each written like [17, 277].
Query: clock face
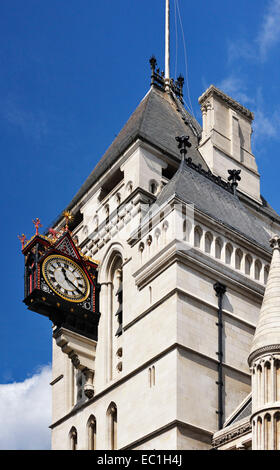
[65, 278]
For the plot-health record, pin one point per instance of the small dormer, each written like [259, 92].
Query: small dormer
[226, 139]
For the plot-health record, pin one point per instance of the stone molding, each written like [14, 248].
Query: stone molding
[212, 90]
[81, 352]
[231, 434]
[272, 348]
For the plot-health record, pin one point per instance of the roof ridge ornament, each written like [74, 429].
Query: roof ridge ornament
[234, 176]
[208, 174]
[183, 143]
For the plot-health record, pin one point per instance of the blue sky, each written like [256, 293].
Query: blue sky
[71, 73]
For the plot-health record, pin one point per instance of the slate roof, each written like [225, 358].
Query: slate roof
[244, 410]
[157, 120]
[193, 187]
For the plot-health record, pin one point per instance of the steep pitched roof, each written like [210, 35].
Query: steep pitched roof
[244, 410]
[267, 334]
[157, 119]
[214, 198]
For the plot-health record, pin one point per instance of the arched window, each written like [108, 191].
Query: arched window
[197, 236]
[111, 279]
[258, 268]
[107, 213]
[267, 432]
[267, 382]
[277, 431]
[112, 422]
[229, 251]
[266, 273]
[91, 428]
[73, 438]
[117, 282]
[238, 258]
[218, 248]
[208, 242]
[248, 264]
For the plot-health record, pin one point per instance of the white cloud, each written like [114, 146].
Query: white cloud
[269, 34]
[235, 88]
[266, 37]
[25, 410]
[265, 125]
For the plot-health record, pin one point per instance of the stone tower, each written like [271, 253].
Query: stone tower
[264, 361]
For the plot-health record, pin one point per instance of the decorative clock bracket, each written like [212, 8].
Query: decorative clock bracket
[81, 351]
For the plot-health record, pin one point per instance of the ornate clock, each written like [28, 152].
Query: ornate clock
[61, 283]
[65, 278]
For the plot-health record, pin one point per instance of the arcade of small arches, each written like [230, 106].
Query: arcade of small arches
[91, 431]
[266, 419]
[212, 245]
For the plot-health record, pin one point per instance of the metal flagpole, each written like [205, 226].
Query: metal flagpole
[167, 45]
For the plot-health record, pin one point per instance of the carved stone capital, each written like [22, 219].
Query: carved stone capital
[275, 242]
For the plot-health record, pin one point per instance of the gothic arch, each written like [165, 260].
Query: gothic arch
[111, 307]
[91, 432]
[73, 438]
[197, 236]
[218, 248]
[112, 424]
[229, 252]
[258, 268]
[208, 242]
[116, 249]
[248, 264]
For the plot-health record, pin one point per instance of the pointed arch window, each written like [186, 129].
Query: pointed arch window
[91, 430]
[218, 248]
[112, 418]
[197, 236]
[229, 251]
[119, 298]
[208, 242]
[73, 438]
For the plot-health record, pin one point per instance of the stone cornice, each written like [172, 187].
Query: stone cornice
[171, 254]
[212, 90]
[205, 434]
[111, 386]
[233, 432]
[272, 348]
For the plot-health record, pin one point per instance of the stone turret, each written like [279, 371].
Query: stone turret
[264, 361]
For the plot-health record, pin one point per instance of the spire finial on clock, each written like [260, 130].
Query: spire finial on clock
[37, 223]
[22, 238]
[68, 218]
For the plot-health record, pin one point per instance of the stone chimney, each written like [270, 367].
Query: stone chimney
[226, 139]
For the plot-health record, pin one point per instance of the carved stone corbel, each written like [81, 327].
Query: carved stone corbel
[81, 351]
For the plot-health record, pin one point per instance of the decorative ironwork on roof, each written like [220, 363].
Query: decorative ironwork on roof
[158, 80]
[208, 174]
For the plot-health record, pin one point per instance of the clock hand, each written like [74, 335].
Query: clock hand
[70, 282]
